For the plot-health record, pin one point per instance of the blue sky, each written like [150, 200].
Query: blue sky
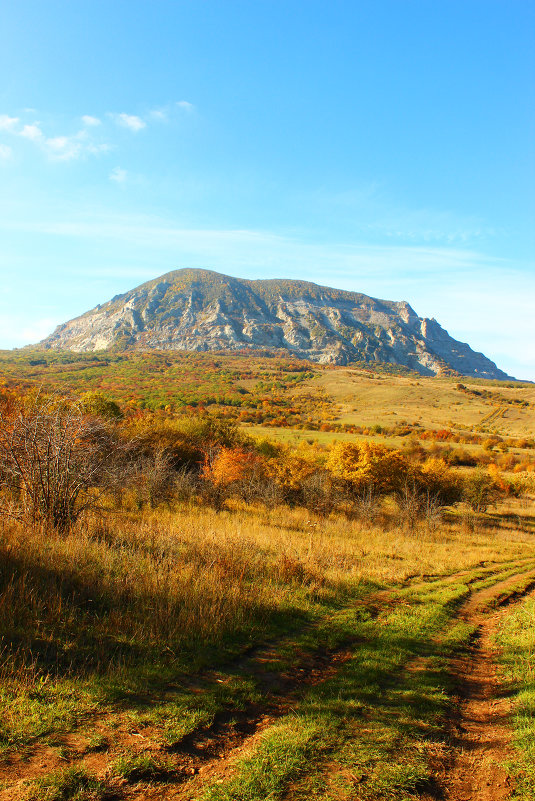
[384, 146]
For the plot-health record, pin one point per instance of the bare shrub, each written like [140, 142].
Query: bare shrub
[185, 485]
[319, 494]
[152, 479]
[432, 511]
[54, 459]
[368, 506]
[417, 505]
[409, 502]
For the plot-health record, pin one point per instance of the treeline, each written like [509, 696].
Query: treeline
[59, 457]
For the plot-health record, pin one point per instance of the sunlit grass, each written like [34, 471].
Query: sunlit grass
[516, 639]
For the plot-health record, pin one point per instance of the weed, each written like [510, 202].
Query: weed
[71, 784]
[141, 767]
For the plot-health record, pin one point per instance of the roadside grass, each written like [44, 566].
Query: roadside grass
[516, 639]
[141, 767]
[373, 730]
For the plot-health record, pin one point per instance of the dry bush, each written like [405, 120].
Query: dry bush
[53, 460]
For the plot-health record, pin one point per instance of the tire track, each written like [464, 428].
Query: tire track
[480, 731]
[206, 750]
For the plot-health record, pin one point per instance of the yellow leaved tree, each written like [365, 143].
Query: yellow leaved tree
[366, 464]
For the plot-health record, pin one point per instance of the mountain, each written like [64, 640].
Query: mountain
[200, 310]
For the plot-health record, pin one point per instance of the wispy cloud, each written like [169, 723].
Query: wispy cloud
[90, 121]
[64, 147]
[88, 140]
[130, 121]
[8, 123]
[185, 106]
[159, 114]
[68, 148]
[372, 213]
[118, 175]
[31, 132]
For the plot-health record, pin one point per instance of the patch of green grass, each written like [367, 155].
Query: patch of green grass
[97, 742]
[366, 732]
[141, 767]
[281, 757]
[37, 711]
[516, 638]
[71, 784]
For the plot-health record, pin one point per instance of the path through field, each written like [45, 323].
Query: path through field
[481, 731]
[201, 764]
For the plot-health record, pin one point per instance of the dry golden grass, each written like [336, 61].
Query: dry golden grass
[117, 615]
[366, 399]
[115, 592]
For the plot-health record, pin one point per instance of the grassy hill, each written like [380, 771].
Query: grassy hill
[229, 619]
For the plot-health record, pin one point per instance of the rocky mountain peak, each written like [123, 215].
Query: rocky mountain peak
[202, 310]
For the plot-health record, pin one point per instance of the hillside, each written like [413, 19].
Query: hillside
[200, 310]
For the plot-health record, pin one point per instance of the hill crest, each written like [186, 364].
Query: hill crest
[202, 310]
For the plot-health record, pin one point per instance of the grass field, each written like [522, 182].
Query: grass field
[300, 391]
[239, 654]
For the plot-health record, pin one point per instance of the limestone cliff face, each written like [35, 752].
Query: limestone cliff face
[200, 310]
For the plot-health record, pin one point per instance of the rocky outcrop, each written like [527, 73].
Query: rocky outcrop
[200, 310]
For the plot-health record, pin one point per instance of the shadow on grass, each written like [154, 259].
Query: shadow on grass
[69, 623]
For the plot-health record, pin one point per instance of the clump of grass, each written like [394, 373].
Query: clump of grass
[281, 757]
[71, 784]
[141, 767]
[97, 742]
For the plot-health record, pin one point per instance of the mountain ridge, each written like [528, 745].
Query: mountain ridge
[202, 310]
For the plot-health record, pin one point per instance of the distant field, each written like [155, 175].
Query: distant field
[282, 393]
[431, 402]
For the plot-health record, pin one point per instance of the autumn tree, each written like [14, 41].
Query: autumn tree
[366, 464]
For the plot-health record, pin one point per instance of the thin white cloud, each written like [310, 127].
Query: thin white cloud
[68, 148]
[63, 148]
[158, 114]
[5, 152]
[32, 132]
[130, 121]
[185, 106]
[118, 175]
[90, 121]
[8, 123]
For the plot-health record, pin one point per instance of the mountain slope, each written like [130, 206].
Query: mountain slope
[200, 310]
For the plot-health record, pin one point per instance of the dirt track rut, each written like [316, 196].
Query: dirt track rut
[480, 728]
[479, 731]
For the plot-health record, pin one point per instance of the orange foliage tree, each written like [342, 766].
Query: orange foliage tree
[231, 466]
[289, 471]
